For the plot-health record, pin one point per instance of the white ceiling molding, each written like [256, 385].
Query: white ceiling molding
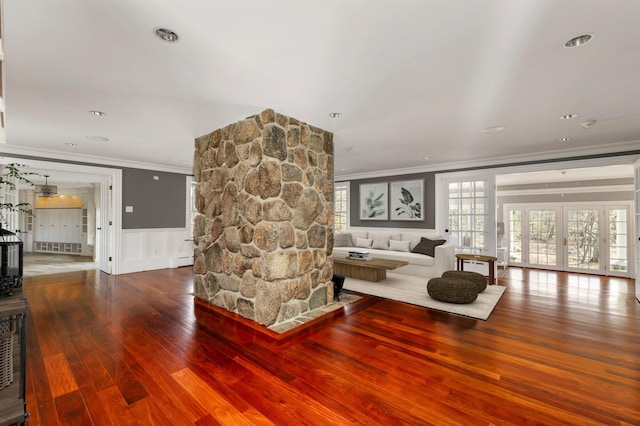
[546, 161]
[566, 190]
[10, 151]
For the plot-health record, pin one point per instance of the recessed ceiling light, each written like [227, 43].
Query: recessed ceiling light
[97, 138]
[492, 129]
[184, 161]
[98, 113]
[568, 116]
[71, 144]
[564, 139]
[578, 41]
[166, 35]
[335, 114]
[427, 158]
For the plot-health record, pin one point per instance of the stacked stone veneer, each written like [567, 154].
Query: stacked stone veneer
[264, 227]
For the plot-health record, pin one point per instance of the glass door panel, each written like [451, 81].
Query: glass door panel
[543, 241]
[618, 241]
[515, 236]
[583, 239]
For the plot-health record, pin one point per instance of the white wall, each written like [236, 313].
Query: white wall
[149, 249]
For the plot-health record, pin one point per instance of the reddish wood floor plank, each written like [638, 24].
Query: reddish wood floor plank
[216, 404]
[61, 378]
[72, 409]
[559, 349]
[98, 412]
[148, 413]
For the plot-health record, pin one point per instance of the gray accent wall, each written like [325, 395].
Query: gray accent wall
[156, 203]
[429, 198]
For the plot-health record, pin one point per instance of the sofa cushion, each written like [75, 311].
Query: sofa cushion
[415, 237]
[397, 245]
[381, 239]
[364, 242]
[357, 234]
[427, 246]
[412, 258]
[342, 239]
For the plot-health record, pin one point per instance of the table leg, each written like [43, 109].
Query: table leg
[492, 278]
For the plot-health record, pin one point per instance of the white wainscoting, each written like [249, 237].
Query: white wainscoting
[148, 249]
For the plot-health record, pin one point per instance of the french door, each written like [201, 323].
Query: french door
[593, 239]
[104, 235]
[636, 199]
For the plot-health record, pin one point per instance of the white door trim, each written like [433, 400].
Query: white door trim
[101, 174]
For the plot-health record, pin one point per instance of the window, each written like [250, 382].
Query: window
[468, 211]
[469, 214]
[341, 207]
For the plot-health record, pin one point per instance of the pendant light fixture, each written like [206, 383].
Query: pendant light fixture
[46, 190]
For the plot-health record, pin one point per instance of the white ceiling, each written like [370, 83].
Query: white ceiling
[411, 78]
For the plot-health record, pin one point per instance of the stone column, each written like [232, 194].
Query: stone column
[264, 227]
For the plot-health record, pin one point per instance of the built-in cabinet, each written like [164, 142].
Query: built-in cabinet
[55, 228]
[60, 225]
[59, 230]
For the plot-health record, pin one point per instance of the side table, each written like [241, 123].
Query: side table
[461, 257]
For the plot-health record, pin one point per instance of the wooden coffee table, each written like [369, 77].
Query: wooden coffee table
[369, 270]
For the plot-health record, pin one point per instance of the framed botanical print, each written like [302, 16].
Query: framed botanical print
[374, 201]
[407, 200]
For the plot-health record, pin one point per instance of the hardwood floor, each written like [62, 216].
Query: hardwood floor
[135, 349]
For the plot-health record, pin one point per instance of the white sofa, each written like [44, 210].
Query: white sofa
[397, 245]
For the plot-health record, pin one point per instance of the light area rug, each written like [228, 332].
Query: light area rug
[54, 263]
[413, 290]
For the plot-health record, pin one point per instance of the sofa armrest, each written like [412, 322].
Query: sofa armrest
[444, 259]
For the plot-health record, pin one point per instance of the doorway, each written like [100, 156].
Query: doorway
[107, 204]
[592, 238]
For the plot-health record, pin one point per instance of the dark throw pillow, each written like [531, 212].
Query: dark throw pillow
[427, 246]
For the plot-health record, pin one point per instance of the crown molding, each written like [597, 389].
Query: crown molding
[88, 160]
[565, 190]
[515, 162]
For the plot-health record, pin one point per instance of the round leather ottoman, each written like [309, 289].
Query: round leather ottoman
[452, 290]
[476, 278]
